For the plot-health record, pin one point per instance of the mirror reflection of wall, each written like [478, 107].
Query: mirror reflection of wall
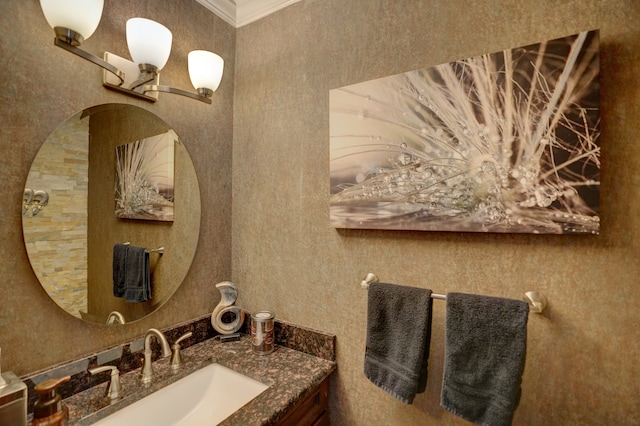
[70, 242]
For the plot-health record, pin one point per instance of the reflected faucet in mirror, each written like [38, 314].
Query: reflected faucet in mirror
[70, 242]
[115, 317]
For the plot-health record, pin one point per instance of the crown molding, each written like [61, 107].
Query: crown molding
[243, 12]
[249, 11]
[225, 9]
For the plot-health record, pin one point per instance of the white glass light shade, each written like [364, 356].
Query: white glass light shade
[205, 69]
[81, 16]
[149, 42]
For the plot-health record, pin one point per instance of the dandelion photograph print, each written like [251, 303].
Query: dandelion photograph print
[504, 142]
[145, 178]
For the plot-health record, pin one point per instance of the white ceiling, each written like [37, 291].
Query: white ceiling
[243, 12]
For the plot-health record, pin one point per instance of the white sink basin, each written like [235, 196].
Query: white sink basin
[207, 396]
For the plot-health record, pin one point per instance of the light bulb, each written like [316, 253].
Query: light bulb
[149, 42]
[205, 69]
[80, 16]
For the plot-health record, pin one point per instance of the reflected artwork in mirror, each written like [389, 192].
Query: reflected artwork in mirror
[144, 178]
[70, 239]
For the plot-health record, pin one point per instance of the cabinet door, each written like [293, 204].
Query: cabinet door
[312, 410]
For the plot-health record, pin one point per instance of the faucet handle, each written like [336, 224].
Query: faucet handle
[113, 389]
[176, 359]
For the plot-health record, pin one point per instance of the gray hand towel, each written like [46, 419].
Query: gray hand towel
[137, 275]
[398, 337]
[120, 253]
[485, 350]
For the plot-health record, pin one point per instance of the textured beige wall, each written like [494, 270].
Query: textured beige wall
[42, 86]
[582, 365]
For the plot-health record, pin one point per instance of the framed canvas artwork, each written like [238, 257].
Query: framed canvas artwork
[504, 142]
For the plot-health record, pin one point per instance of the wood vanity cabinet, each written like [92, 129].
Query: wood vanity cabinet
[312, 410]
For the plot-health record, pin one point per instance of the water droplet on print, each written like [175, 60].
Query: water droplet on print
[487, 166]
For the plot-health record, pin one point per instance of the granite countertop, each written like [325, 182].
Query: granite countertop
[290, 375]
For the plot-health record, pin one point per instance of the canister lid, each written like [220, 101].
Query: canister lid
[263, 315]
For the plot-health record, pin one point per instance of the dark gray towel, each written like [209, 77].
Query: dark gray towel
[137, 276]
[120, 253]
[485, 350]
[131, 273]
[398, 337]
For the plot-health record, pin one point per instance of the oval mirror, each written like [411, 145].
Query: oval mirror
[112, 174]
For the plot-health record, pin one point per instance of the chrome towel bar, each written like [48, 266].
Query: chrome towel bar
[536, 300]
[159, 250]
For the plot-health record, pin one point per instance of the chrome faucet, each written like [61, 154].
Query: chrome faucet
[113, 388]
[176, 358]
[147, 370]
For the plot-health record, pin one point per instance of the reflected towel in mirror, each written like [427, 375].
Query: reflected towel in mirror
[131, 273]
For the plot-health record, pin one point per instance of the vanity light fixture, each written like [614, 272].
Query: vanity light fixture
[149, 42]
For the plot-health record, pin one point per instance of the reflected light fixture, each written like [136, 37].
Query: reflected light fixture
[149, 43]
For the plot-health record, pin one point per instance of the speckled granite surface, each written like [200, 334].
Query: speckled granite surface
[290, 375]
[309, 341]
[126, 357]
[306, 340]
[302, 359]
